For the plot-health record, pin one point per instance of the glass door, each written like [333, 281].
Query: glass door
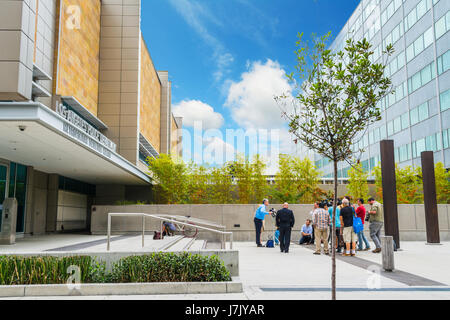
[3, 187]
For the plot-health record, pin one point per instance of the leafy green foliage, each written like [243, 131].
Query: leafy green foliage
[15, 270]
[442, 183]
[157, 267]
[338, 95]
[410, 184]
[296, 180]
[357, 183]
[171, 178]
[169, 267]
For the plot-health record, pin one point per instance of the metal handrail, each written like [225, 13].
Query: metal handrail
[144, 215]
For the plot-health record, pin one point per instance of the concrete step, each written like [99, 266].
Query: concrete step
[197, 245]
[180, 245]
[168, 242]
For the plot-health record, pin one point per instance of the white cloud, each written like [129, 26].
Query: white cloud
[195, 110]
[251, 100]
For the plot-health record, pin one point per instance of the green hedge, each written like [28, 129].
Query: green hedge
[169, 267]
[157, 267]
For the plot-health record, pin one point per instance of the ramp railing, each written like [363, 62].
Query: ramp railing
[170, 219]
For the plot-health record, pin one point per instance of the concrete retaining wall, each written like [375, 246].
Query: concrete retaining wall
[239, 219]
[121, 289]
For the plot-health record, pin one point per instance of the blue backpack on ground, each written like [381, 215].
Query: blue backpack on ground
[269, 244]
[357, 225]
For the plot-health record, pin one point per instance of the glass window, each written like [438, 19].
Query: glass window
[440, 27]
[445, 138]
[401, 60]
[430, 143]
[445, 100]
[416, 81]
[418, 46]
[397, 125]
[426, 74]
[376, 135]
[423, 111]
[371, 138]
[444, 62]
[410, 52]
[421, 8]
[428, 37]
[405, 121]
[414, 116]
[383, 132]
[420, 146]
[390, 128]
[411, 19]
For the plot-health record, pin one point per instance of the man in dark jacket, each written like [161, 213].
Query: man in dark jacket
[285, 221]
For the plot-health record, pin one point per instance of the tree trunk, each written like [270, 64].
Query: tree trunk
[333, 233]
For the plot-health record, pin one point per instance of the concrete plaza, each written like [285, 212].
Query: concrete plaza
[267, 274]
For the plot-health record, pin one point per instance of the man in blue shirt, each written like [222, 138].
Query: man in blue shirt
[306, 233]
[260, 214]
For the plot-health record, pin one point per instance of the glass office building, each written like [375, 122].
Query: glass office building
[417, 115]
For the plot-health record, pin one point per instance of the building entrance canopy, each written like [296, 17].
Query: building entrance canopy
[34, 135]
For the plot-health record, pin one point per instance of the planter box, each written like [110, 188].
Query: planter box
[121, 289]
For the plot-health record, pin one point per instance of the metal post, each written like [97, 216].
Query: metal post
[389, 190]
[387, 252]
[231, 241]
[109, 232]
[143, 230]
[161, 228]
[429, 196]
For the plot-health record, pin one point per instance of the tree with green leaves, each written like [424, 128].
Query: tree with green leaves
[259, 182]
[241, 170]
[197, 183]
[221, 185]
[442, 183]
[336, 100]
[409, 185]
[170, 177]
[307, 177]
[357, 182]
[285, 189]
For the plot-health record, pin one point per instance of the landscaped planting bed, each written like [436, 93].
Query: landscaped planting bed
[156, 267]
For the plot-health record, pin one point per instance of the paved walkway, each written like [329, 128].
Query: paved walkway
[267, 274]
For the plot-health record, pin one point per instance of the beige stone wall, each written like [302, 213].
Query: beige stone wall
[239, 219]
[150, 106]
[76, 71]
[174, 138]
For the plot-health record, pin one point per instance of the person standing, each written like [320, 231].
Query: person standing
[361, 213]
[376, 219]
[321, 225]
[337, 230]
[311, 213]
[347, 228]
[306, 233]
[285, 221]
[260, 214]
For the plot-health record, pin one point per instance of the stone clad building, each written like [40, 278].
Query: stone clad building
[82, 106]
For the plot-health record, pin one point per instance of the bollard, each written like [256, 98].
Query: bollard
[387, 252]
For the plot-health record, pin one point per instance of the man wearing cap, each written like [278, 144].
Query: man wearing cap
[260, 214]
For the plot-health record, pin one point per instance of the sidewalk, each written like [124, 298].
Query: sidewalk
[268, 274]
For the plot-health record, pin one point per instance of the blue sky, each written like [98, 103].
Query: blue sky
[227, 58]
